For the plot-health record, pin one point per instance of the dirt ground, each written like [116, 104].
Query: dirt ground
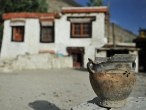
[58, 89]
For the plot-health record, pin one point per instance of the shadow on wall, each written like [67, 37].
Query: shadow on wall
[43, 105]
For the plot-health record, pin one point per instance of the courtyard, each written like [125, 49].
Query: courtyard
[54, 89]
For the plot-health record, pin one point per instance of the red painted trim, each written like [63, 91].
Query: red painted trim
[55, 15]
[30, 15]
[85, 10]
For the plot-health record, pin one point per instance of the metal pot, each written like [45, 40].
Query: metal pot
[112, 79]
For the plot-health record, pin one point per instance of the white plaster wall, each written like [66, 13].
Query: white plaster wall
[10, 49]
[137, 59]
[63, 31]
[63, 39]
[31, 42]
[32, 34]
[33, 37]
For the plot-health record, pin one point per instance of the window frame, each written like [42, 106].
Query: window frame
[53, 33]
[81, 35]
[13, 37]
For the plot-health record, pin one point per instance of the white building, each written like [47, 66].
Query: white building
[75, 31]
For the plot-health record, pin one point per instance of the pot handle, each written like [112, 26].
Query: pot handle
[89, 64]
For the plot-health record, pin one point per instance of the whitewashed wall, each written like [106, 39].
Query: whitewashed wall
[32, 43]
[64, 40]
[137, 59]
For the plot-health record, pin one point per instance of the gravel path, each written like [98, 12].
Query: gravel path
[58, 89]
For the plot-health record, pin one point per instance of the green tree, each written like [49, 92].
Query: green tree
[21, 6]
[95, 3]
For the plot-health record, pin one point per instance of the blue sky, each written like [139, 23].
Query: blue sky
[129, 14]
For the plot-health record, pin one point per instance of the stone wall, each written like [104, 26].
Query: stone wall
[36, 61]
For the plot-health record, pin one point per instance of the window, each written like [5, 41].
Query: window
[47, 31]
[81, 26]
[18, 33]
[47, 34]
[82, 30]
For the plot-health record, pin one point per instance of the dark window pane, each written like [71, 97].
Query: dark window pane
[86, 29]
[47, 34]
[77, 28]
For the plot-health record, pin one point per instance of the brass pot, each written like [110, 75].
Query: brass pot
[112, 81]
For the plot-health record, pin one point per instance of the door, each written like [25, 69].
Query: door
[77, 54]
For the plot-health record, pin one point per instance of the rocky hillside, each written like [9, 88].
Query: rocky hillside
[56, 5]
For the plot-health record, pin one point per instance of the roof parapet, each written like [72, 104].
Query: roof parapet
[30, 15]
[101, 9]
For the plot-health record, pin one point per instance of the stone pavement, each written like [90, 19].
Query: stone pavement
[132, 104]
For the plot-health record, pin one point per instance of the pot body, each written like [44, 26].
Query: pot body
[112, 86]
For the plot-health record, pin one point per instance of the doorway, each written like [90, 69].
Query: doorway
[77, 54]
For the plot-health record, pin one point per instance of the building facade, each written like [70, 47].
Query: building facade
[74, 31]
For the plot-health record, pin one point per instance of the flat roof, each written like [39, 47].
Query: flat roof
[29, 15]
[100, 9]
